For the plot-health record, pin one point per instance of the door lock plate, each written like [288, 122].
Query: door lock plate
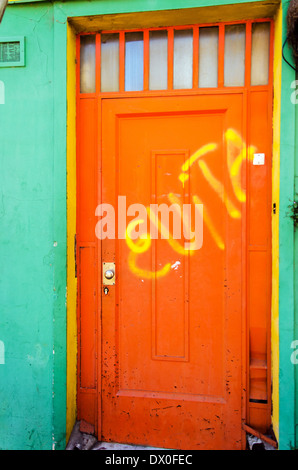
[108, 274]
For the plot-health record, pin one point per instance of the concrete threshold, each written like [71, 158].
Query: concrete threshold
[85, 441]
[80, 440]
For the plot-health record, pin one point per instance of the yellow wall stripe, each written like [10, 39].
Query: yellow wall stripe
[275, 221]
[71, 230]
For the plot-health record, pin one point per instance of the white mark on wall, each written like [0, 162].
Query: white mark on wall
[294, 355]
[294, 95]
[2, 92]
[2, 353]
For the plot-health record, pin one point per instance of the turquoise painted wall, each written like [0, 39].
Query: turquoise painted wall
[27, 252]
[33, 226]
[288, 418]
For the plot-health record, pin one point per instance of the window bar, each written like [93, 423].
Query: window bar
[121, 61]
[195, 83]
[221, 55]
[248, 54]
[271, 53]
[98, 63]
[78, 69]
[146, 59]
[170, 57]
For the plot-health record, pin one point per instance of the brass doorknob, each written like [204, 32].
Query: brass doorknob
[109, 274]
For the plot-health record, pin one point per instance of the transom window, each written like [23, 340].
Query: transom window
[176, 58]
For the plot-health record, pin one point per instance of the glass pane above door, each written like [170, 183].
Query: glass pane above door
[134, 61]
[177, 58]
[87, 64]
[158, 60]
[260, 51]
[234, 69]
[208, 57]
[110, 62]
[183, 59]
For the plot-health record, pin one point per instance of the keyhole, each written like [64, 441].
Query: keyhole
[106, 290]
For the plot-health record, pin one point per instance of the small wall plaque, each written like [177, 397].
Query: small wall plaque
[12, 51]
[259, 159]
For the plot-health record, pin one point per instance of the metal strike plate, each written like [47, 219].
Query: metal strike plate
[108, 274]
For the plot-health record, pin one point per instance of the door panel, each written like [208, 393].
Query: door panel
[171, 324]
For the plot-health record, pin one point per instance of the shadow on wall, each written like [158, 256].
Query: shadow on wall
[292, 23]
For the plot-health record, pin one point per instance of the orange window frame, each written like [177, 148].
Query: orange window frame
[170, 90]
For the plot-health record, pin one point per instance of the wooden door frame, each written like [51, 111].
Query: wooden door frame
[246, 92]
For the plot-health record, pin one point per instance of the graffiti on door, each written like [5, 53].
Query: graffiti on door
[139, 238]
[237, 153]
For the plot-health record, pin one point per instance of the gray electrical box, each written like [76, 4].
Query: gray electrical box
[12, 51]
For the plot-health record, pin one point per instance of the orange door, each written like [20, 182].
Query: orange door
[171, 323]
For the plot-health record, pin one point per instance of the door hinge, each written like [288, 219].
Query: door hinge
[274, 208]
[75, 254]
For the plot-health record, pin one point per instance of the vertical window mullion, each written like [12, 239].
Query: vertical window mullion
[248, 54]
[170, 57]
[271, 53]
[146, 59]
[195, 68]
[78, 69]
[121, 60]
[98, 62]
[221, 55]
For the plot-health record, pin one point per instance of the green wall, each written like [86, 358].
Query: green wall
[33, 225]
[288, 418]
[27, 252]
